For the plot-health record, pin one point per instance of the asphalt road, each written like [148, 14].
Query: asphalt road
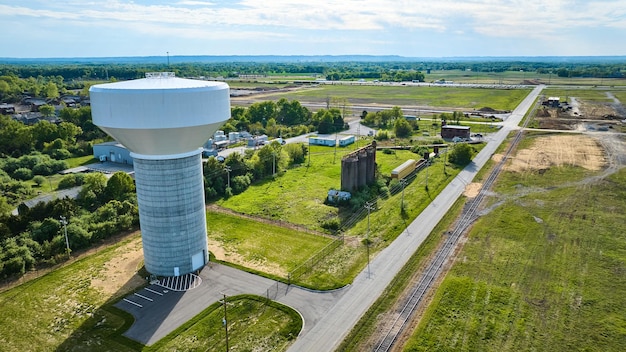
[330, 330]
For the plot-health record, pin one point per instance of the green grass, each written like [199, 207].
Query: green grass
[81, 161]
[63, 311]
[49, 310]
[584, 93]
[262, 243]
[450, 97]
[544, 271]
[516, 77]
[368, 323]
[254, 324]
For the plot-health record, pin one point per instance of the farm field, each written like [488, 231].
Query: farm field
[542, 270]
[435, 96]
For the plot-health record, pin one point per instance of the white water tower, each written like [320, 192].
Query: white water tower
[164, 121]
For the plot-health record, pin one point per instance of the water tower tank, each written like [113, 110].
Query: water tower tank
[164, 121]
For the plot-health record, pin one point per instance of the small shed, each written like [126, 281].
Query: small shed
[451, 131]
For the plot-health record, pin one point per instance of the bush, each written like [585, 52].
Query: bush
[61, 154]
[461, 154]
[23, 174]
[389, 151]
[240, 183]
[382, 136]
[39, 180]
[419, 150]
[72, 180]
[331, 224]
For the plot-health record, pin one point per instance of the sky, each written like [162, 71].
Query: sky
[412, 28]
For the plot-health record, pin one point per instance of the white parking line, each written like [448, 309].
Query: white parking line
[131, 302]
[153, 291]
[144, 297]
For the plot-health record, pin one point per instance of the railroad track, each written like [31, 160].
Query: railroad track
[435, 267]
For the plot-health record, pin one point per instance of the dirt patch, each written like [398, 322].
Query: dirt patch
[497, 157]
[121, 271]
[552, 151]
[223, 254]
[472, 189]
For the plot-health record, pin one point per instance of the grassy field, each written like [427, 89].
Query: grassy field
[543, 271]
[516, 77]
[254, 324]
[586, 93]
[265, 245]
[64, 310]
[449, 97]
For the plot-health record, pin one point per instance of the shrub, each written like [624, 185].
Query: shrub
[331, 224]
[240, 183]
[39, 180]
[72, 180]
[22, 174]
[382, 136]
[461, 154]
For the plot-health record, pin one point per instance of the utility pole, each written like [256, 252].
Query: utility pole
[427, 164]
[403, 183]
[225, 322]
[369, 206]
[274, 164]
[67, 242]
[228, 170]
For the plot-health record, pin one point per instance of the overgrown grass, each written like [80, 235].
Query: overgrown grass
[544, 271]
[358, 336]
[62, 311]
[41, 314]
[451, 97]
[254, 324]
[264, 244]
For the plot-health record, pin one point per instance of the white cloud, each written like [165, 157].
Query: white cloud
[371, 21]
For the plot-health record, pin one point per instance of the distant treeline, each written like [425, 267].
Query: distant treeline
[388, 70]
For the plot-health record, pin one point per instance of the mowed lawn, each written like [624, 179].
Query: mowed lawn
[544, 271]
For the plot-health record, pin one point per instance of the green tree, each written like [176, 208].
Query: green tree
[39, 180]
[92, 191]
[119, 186]
[51, 90]
[461, 154]
[262, 112]
[402, 128]
[46, 110]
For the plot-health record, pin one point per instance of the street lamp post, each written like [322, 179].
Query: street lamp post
[403, 183]
[67, 242]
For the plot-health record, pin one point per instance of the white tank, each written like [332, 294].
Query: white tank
[160, 115]
[163, 121]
